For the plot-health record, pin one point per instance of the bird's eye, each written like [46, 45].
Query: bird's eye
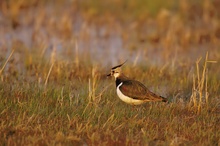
[113, 71]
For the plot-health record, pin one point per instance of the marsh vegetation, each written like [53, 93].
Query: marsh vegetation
[55, 55]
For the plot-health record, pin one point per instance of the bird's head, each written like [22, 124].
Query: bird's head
[116, 71]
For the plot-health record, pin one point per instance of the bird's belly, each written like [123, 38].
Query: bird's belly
[127, 99]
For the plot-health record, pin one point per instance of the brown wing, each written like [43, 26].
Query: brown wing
[137, 90]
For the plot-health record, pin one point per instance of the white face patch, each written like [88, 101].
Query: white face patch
[127, 99]
[116, 74]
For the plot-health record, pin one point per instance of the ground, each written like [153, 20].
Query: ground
[55, 56]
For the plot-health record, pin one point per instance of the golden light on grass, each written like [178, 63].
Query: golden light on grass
[54, 89]
[200, 94]
[76, 54]
[48, 74]
[6, 62]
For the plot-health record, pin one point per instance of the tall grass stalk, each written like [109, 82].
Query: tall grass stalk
[76, 55]
[6, 62]
[45, 84]
[52, 61]
[200, 85]
[60, 99]
[93, 86]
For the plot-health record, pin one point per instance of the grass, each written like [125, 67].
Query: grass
[54, 91]
[84, 111]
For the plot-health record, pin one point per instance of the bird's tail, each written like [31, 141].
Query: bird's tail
[164, 99]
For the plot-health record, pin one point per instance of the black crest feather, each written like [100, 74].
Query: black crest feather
[119, 65]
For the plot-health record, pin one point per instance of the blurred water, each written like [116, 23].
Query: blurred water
[101, 49]
[105, 45]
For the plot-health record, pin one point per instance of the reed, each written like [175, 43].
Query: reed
[200, 94]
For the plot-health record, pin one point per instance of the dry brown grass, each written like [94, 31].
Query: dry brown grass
[53, 84]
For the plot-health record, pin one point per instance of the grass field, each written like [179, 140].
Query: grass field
[55, 56]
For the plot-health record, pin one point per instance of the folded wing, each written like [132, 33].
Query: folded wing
[137, 90]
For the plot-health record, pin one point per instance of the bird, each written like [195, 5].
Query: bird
[131, 91]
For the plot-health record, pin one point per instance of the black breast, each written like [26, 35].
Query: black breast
[118, 81]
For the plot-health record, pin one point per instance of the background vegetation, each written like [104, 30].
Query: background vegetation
[55, 56]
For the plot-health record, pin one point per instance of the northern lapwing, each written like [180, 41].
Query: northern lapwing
[131, 91]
